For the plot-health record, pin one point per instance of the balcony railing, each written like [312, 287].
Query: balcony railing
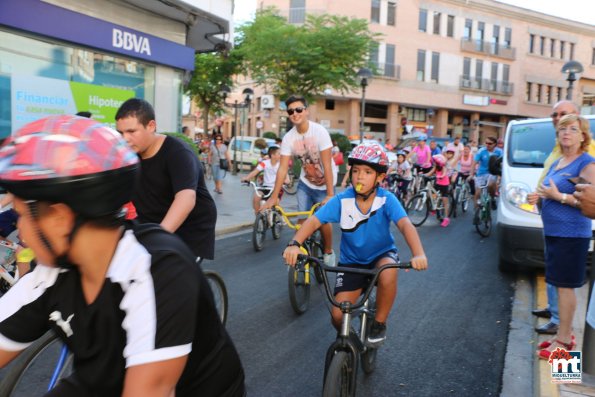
[486, 85]
[388, 70]
[485, 47]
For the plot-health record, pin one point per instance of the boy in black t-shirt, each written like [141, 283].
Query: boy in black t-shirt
[128, 300]
[171, 190]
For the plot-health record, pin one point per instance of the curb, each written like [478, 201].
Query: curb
[232, 229]
[518, 361]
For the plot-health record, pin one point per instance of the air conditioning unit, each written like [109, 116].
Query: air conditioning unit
[267, 102]
[466, 83]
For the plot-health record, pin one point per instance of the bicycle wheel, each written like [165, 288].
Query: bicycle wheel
[277, 225]
[484, 227]
[338, 381]
[368, 356]
[465, 198]
[291, 187]
[298, 285]
[418, 209]
[219, 293]
[315, 248]
[259, 231]
[28, 375]
[454, 202]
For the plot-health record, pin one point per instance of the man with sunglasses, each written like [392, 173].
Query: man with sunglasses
[483, 176]
[311, 143]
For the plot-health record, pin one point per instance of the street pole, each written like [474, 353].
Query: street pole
[361, 121]
[571, 78]
[234, 170]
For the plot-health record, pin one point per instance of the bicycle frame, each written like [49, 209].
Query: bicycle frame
[432, 194]
[346, 340]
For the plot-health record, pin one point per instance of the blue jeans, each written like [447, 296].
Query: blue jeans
[307, 197]
[552, 302]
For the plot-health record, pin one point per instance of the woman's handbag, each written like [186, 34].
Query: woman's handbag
[223, 163]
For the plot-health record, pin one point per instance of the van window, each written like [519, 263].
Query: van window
[241, 145]
[530, 144]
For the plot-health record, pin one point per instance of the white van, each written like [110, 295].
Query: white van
[247, 154]
[519, 228]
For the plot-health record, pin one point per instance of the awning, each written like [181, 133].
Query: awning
[206, 32]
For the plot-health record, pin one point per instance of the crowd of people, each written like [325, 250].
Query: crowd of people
[127, 296]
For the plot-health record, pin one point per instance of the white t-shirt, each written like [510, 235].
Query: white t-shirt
[307, 148]
[269, 172]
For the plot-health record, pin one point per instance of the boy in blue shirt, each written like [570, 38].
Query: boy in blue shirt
[365, 212]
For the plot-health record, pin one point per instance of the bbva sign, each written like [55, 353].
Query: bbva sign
[130, 42]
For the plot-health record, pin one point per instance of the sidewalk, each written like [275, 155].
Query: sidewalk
[524, 373]
[234, 206]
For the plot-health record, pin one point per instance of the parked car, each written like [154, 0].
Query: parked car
[519, 228]
[246, 153]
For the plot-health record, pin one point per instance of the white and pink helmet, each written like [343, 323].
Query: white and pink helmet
[370, 154]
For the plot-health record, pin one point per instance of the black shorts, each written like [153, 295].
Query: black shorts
[353, 281]
[265, 193]
[443, 189]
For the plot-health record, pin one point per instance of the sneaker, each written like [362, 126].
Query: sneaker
[445, 222]
[377, 334]
[329, 259]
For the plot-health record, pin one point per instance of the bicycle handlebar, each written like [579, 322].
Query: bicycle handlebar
[287, 215]
[373, 273]
[258, 189]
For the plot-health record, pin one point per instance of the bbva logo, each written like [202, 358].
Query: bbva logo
[131, 42]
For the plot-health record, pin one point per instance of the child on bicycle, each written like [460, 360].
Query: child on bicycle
[269, 168]
[365, 212]
[442, 184]
[128, 300]
[403, 172]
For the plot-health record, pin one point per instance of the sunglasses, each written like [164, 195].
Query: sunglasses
[298, 110]
[490, 143]
[219, 140]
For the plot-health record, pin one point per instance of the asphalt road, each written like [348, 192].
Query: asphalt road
[446, 335]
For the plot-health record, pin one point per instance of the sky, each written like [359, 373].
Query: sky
[578, 10]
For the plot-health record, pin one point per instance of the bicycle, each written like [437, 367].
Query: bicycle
[426, 200]
[395, 184]
[461, 194]
[219, 290]
[343, 355]
[266, 219]
[299, 280]
[482, 218]
[291, 187]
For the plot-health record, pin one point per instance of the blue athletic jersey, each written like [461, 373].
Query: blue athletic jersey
[364, 236]
[482, 157]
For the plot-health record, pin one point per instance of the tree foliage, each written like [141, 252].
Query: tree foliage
[325, 52]
[211, 70]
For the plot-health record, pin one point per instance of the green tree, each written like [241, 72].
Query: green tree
[325, 52]
[210, 72]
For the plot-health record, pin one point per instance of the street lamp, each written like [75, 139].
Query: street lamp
[248, 94]
[571, 68]
[363, 74]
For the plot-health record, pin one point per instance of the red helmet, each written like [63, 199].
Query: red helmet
[72, 160]
[370, 154]
[439, 159]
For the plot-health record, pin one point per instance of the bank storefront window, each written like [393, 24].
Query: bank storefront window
[40, 78]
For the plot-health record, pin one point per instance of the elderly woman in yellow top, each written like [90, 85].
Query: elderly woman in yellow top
[566, 231]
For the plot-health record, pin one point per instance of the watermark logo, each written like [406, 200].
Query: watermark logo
[566, 366]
